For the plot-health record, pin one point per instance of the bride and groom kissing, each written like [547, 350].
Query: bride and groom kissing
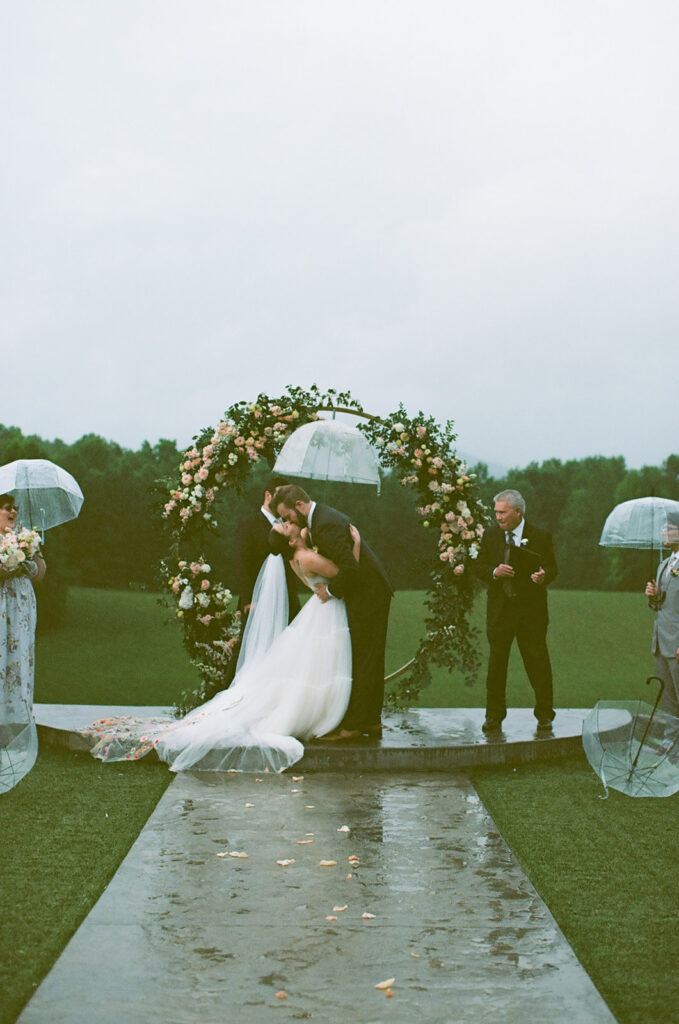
[320, 676]
[361, 582]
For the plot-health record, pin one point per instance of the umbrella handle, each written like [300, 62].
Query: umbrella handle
[650, 717]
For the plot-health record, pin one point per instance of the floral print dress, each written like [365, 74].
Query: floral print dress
[17, 646]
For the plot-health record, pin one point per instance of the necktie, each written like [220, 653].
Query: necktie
[508, 585]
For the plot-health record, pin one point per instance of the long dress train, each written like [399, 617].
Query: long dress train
[295, 689]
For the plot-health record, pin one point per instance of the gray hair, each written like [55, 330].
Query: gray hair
[515, 499]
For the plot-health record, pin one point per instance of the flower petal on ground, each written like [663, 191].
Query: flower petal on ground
[331, 917]
[304, 842]
[240, 854]
[368, 917]
[385, 984]
[344, 828]
[328, 863]
[338, 910]
[285, 863]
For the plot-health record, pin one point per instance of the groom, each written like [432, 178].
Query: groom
[367, 592]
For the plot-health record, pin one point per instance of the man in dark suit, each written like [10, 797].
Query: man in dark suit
[517, 562]
[367, 592]
[251, 548]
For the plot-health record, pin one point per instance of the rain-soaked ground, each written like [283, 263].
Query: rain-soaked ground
[273, 898]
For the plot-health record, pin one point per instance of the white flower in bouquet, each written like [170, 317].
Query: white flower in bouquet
[186, 600]
[15, 548]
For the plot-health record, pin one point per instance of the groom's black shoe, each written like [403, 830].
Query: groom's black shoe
[492, 725]
[374, 731]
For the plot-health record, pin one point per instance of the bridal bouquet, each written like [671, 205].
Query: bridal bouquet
[17, 548]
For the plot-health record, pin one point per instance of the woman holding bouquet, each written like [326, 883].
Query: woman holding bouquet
[20, 565]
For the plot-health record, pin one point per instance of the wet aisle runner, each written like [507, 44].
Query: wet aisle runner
[259, 898]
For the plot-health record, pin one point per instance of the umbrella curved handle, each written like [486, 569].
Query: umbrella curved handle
[660, 691]
[650, 717]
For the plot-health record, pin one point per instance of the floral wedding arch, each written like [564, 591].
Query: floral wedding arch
[416, 449]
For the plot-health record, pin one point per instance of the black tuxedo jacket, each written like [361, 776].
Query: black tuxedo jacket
[251, 548]
[359, 582]
[530, 599]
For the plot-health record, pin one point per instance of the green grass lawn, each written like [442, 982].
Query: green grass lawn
[65, 829]
[120, 648]
[607, 869]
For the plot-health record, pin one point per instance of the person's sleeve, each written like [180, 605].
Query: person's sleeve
[338, 547]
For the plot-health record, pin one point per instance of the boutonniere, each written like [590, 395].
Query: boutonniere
[675, 570]
[524, 542]
[315, 549]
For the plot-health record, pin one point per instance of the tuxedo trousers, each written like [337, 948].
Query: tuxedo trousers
[668, 670]
[368, 628]
[530, 633]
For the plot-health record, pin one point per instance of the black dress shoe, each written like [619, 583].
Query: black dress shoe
[374, 732]
[492, 725]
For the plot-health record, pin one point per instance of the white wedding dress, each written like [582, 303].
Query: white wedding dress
[290, 686]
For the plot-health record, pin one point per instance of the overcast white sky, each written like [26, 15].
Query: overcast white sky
[467, 207]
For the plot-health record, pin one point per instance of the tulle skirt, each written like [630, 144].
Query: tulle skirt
[298, 690]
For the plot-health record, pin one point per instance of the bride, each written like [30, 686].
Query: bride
[291, 684]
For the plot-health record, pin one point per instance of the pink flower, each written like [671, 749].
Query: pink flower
[205, 619]
[202, 474]
[175, 586]
[420, 431]
[195, 568]
[458, 570]
[205, 585]
[187, 479]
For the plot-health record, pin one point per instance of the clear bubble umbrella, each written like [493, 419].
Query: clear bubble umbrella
[633, 747]
[639, 523]
[45, 494]
[329, 450]
[18, 745]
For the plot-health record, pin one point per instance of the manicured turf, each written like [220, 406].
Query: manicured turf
[607, 869]
[119, 648]
[65, 829]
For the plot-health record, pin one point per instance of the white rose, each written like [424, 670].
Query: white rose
[186, 600]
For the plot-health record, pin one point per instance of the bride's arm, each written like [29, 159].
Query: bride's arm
[313, 564]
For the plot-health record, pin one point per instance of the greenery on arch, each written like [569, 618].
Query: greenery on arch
[417, 449]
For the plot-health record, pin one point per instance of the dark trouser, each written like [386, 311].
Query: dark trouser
[531, 639]
[368, 640]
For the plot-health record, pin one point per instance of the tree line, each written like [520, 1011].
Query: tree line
[120, 538]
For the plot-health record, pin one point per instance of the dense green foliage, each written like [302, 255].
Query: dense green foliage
[120, 537]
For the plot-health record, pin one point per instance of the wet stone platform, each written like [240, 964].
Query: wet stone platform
[202, 922]
[425, 739]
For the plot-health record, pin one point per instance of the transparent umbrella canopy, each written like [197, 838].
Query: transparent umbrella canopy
[638, 523]
[633, 747]
[329, 450]
[45, 494]
[18, 745]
